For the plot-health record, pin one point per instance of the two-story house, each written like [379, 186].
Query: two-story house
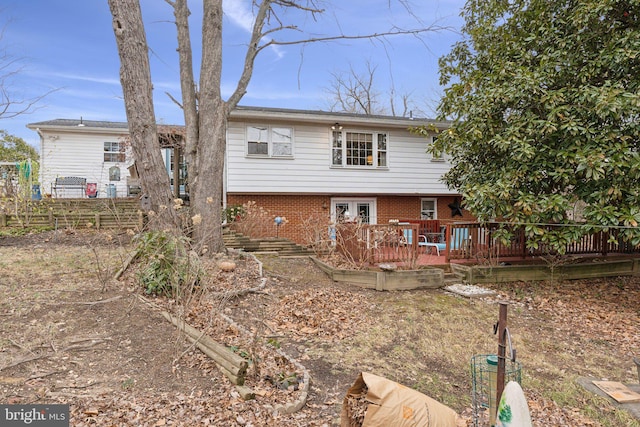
[293, 163]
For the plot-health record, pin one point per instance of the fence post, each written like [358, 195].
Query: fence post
[3, 220]
[51, 224]
[97, 221]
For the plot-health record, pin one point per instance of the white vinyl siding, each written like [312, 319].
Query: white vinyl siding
[409, 170]
[67, 154]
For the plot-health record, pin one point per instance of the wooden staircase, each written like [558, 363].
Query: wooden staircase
[282, 247]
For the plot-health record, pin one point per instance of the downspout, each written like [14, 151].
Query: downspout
[224, 173]
[41, 168]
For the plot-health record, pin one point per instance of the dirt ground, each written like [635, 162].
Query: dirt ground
[70, 333]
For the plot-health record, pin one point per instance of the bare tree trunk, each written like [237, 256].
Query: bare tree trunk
[213, 116]
[188, 88]
[135, 76]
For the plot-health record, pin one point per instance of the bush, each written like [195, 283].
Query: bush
[168, 266]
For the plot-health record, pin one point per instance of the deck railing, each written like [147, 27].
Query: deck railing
[476, 241]
[368, 244]
[378, 243]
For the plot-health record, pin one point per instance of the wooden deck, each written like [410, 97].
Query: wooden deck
[469, 243]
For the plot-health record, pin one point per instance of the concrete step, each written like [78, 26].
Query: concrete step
[451, 278]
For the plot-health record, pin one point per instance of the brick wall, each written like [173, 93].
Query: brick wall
[294, 208]
[298, 209]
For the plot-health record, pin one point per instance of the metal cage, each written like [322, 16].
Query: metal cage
[484, 379]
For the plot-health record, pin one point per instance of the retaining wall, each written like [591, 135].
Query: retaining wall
[473, 274]
[386, 280]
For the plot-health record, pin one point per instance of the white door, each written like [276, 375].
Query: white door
[363, 210]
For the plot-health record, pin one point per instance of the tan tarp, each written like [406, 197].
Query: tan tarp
[392, 404]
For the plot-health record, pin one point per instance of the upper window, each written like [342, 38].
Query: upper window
[269, 141]
[113, 152]
[359, 149]
[436, 156]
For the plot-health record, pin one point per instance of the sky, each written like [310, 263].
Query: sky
[66, 50]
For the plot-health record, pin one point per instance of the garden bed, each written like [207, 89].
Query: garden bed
[583, 268]
[386, 280]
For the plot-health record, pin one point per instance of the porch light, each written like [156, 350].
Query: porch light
[336, 126]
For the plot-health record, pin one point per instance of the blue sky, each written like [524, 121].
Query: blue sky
[68, 47]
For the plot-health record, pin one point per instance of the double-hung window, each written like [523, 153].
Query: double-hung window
[428, 209]
[269, 141]
[367, 149]
[113, 152]
[436, 156]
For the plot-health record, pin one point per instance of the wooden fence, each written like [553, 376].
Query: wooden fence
[98, 221]
[85, 213]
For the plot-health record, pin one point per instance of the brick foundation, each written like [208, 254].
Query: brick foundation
[298, 209]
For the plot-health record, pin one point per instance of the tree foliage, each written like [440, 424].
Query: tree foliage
[545, 102]
[13, 148]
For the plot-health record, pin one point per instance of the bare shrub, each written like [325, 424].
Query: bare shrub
[318, 233]
[254, 221]
[351, 244]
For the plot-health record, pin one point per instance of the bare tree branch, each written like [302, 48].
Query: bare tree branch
[12, 104]
[380, 35]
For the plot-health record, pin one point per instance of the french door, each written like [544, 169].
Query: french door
[352, 209]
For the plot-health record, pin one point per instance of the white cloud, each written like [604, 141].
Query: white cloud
[240, 13]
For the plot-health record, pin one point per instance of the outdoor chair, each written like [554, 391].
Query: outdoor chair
[460, 240]
[423, 242]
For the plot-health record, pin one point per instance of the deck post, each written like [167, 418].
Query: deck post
[447, 240]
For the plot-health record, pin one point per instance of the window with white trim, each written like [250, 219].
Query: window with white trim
[113, 152]
[269, 141]
[368, 149]
[428, 209]
[436, 156]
